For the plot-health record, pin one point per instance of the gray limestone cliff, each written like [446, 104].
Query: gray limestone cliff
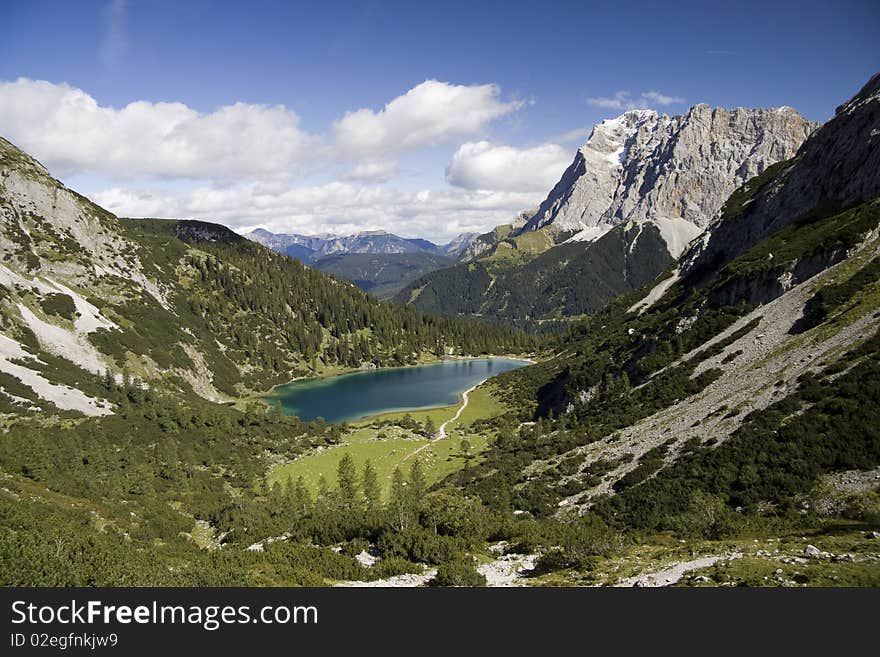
[674, 171]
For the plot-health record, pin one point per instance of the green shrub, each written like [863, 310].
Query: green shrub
[59, 304]
[460, 572]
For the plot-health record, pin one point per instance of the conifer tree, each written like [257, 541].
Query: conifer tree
[346, 477]
[302, 501]
[417, 483]
[372, 494]
[399, 502]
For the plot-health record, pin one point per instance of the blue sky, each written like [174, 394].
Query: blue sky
[517, 83]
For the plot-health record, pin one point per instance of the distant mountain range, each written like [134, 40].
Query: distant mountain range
[308, 248]
[382, 274]
[378, 262]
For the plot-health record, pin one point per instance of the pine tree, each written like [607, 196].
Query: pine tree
[347, 482]
[372, 494]
[399, 507]
[302, 501]
[323, 500]
[289, 508]
[417, 483]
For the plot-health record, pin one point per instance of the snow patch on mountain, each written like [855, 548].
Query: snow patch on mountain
[677, 233]
[589, 234]
[63, 397]
[89, 318]
[62, 342]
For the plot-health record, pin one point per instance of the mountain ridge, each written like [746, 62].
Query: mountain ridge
[645, 166]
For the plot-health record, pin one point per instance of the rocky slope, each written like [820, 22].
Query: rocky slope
[675, 171]
[480, 246]
[641, 168]
[836, 168]
[60, 254]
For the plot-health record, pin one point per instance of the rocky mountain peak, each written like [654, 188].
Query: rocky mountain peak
[675, 171]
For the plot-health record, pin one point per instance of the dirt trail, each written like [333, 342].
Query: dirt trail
[441, 432]
[671, 575]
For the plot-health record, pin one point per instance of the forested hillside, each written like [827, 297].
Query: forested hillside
[285, 319]
[558, 284]
[382, 275]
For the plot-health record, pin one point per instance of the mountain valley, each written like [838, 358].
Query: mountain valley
[699, 297]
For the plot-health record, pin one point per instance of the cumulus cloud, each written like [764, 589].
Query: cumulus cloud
[663, 100]
[340, 208]
[578, 135]
[482, 165]
[243, 164]
[624, 100]
[618, 101]
[70, 132]
[373, 171]
[427, 114]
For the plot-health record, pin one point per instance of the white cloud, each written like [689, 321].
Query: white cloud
[482, 165]
[624, 100]
[239, 164]
[427, 114]
[128, 203]
[69, 132]
[620, 100]
[578, 135]
[373, 171]
[338, 207]
[662, 99]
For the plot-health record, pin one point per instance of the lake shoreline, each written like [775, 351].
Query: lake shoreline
[263, 396]
[308, 399]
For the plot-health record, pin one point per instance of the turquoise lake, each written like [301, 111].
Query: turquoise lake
[353, 396]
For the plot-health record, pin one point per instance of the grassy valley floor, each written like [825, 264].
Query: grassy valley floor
[393, 440]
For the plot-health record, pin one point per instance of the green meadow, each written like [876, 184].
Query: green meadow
[387, 445]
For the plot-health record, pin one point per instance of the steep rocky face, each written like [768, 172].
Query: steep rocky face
[458, 244]
[837, 167]
[587, 188]
[675, 171]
